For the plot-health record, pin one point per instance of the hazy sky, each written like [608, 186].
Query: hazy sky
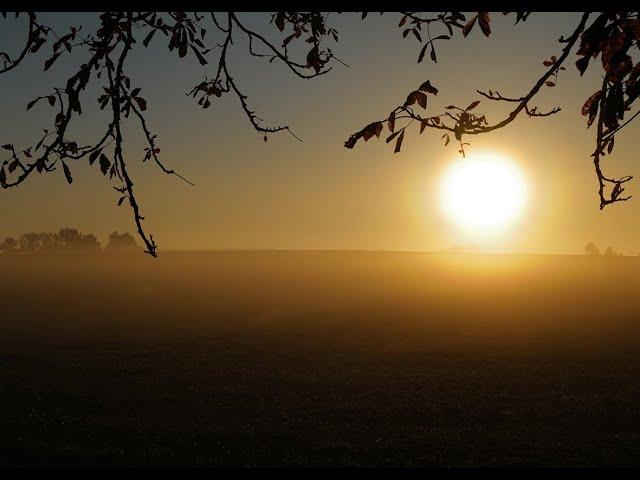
[317, 194]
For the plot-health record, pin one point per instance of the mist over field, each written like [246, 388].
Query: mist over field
[319, 358]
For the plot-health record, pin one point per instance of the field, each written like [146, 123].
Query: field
[320, 358]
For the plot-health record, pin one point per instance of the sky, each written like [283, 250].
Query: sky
[316, 194]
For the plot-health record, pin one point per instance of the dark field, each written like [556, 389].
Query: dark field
[347, 359]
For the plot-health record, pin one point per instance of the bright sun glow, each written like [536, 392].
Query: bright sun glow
[483, 193]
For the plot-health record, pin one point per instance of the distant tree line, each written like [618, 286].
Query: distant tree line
[591, 249]
[66, 240]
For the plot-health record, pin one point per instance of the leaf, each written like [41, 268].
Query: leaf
[8, 146]
[399, 141]
[94, 156]
[52, 100]
[135, 92]
[121, 200]
[32, 103]
[472, 105]
[423, 125]
[104, 164]
[148, 38]
[372, 129]
[378, 129]
[265, 139]
[280, 21]
[427, 87]
[142, 103]
[549, 83]
[469, 25]
[547, 63]
[182, 47]
[422, 99]
[12, 166]
[67, 173]
[411, 98]
[417, 35]
[49, 62]
[391, 121]
[37, 43]
[582, 64]
[586, 108]
[3, 177]
[402, 21]
[393, 135]
[422, 52]
[433, 54]
[483, 21]
[201, 59]
[610, 148]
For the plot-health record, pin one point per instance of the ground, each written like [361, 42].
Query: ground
[319, 358]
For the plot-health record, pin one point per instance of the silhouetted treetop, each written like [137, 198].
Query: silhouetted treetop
[102, 57]
[120, 242]
[65, 240]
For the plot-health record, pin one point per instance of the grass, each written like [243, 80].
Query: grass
[317, 359]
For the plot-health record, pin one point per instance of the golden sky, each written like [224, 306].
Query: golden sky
[317, 194]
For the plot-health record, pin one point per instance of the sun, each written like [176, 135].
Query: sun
[483, 193]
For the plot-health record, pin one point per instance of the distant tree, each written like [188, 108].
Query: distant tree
[29, 242]
[591, 249]
[69, 236]
[121, 242]
[71, 239]
[8, 245]
[612, 252]
[88, 244]
[48, 242]
[299, 41]
[68, 240]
